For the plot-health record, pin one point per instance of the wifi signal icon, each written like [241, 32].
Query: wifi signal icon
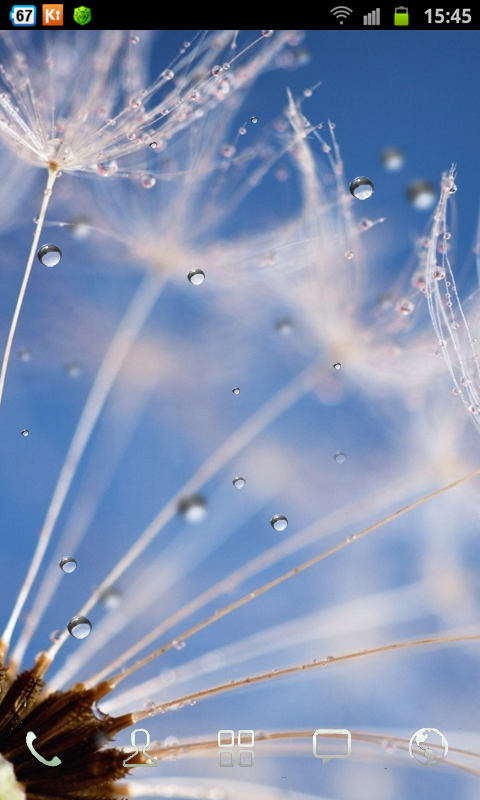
[341, 12]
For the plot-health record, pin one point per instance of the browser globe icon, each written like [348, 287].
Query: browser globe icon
[428, 757]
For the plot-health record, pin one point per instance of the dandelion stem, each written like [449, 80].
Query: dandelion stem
[121, 344]
[52, 174]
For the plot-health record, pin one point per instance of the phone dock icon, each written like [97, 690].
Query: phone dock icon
[400, 18]
[29, 739]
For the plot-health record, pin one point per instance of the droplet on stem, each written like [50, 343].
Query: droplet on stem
[279, 522]
[79, 627]
[49, 255]
[68, 564]
[361, 188]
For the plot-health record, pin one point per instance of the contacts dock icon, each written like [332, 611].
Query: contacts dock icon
[151, 761]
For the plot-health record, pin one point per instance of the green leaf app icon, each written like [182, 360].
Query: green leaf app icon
[82, 15]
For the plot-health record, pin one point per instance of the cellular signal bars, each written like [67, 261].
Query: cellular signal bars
[373, 18]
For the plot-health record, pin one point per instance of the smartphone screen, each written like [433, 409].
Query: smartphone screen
[240, 408]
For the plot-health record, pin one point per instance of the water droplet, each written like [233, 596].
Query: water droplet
[178, 644]
[168, 74]
[361, 188]
[352, 538]
[456, 391]
[55, 636]
[153, 145]
[453, 188]
[131, 138]
[107, 168]
[196, 276]
[254, 119]
[392, 159]
[80, 227]
[279, 522]
[216, 70]
[193, 508]
[266, 34]
[388, 746]
[405, 307]
[24, 354]
[366, 224]
[337, 365]
[284, 326]
[68, 564]
[79, 627]
[307, 92]
[149, 708]
[49, 254]
[236, 390]
[25, 432]
[421, 194]
[228, 150]
[339, 457]
[419, 280]
[329, 658]
[111, 598]
[134, 39]
[239, 483]
[73, 369]
[438, 273]
[242, 131]
[192, 702]
[349, 254]
[148, 181]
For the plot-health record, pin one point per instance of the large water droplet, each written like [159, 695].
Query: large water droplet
[339, 457]
[421, 194]
[361, 188]
[392, 159]
[279, 522]
[193, 508]
[239, 482]
[49, 254]
[25, 432]
[24, 354]
[236, 390]
[79, 627]
[68, 564]
[196, 276]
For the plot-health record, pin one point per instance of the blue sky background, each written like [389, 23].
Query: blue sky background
[413, 89]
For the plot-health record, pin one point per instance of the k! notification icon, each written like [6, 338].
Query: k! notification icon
[23, 16]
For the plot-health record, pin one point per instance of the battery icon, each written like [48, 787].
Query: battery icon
[401, 17]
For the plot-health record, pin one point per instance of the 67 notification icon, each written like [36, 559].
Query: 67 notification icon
[23, 16]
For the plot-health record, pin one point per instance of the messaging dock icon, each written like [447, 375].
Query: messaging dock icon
[330, 732]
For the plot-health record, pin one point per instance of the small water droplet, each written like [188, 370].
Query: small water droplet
[337, 365]
[242, 131]
[80, 227]
[236, 390]
[267, 34]
[192, 702]
[149, 708]
[49, 254]
[73, 369]
[352, 538]
[196, 276]
[339, 457]
[453, 188]
[134, 39]
[216, 70]
[239, 483]
[168, 74]
[329, 658]
[148, 181]
[457, 391]
[178, 644]
[349, 254]
[107, 168]
[279, 522]
[24, 354]
[55, 636]
[405, 307]
[421, 194]
[25, 432]
[192, 508]
[284, 326]
[68, 564]
[228, 150]
[392, 159]
[438, 273]
[388, 746]
[254, 119]
[361, 188]
[79, 627]
[111, 598]
[153, 145]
